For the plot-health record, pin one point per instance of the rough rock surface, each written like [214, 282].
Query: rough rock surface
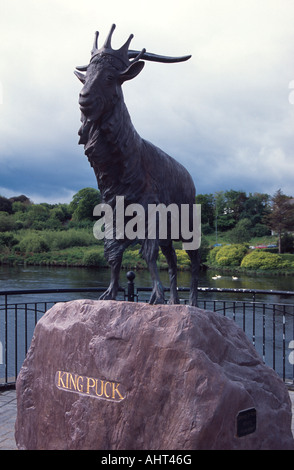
[121, 375]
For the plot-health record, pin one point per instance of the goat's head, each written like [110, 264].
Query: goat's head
[107, 70]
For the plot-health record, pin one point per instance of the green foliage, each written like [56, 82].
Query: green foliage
[5, 205]
[7, 241]
[204, 249]
[211, 257]
[34, 243]
[207, 210]
[94, 258]
[241, 232]
[183, 259]
[133, 260]
[228, 255]
[263, 260]
[83, 204]
[287, 243]
[260, 230]
[68, 238]
[6, 222]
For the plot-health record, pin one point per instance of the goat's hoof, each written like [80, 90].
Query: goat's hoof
[107, 295]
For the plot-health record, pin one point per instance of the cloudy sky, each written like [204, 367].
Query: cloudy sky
[227, 114]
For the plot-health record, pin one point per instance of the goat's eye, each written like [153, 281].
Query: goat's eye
[109, 78]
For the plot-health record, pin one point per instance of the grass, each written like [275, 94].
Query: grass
[78, 247]
[223, 239]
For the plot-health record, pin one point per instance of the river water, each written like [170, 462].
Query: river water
[41, 277]
[38, 277]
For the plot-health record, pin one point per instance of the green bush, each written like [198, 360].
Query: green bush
[7, 240]
[6, 222]
[183, 260]
[212, 255]
[228, 255]
[68, 238]
[263, 260]
[133, 260]
[33, 243]
[94, 258]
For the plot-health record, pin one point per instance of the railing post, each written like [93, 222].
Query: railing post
[131, 287]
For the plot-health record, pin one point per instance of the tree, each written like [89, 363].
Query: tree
[256, 207]
[281, 217]
[6, 222]
[287, 243]
[36, 216]
[235, 201]
[223, 213]
[5, 205]
[207, 211]
[83, 203]
[241, 232]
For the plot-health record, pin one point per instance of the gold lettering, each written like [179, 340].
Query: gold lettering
[80, 386]
[101, 388]
[60, 380]
[73, 381]
[106, 390]
[108, 396]
[88, 383]
[115, 389]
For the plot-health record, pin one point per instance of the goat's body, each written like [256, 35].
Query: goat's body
[129, 166]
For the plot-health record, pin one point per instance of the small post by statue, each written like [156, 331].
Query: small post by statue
[131, 286]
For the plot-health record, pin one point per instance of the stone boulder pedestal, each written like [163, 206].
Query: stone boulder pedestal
[121, 376]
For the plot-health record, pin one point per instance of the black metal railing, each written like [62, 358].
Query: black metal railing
[266, 316]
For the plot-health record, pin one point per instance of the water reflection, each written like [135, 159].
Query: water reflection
[38, 277]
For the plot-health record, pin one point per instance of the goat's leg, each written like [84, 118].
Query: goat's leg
[171, 258]
[111, 292]
[149, 252]
[157, 295]
[195, 263]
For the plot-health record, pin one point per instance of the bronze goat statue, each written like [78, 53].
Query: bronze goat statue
[127, 165]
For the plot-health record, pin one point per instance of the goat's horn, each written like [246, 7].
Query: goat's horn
[95, 45]
[158, 58]
[82, 68]
[108, 39]
[138, 56]
[80, 76]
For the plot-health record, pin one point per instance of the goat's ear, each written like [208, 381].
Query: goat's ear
[132, 71]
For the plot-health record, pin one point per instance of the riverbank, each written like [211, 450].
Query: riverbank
[77, 247]
[86, 257]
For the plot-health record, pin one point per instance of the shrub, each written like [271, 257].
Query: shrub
[231, 255]
[6, 222]
[65, 239]
[33, 243]
[263, 260]
[228, 255]
[241, 232]
[7, 240]
[94, 258]
[183, 259]
[133, 260]
[212, 255]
